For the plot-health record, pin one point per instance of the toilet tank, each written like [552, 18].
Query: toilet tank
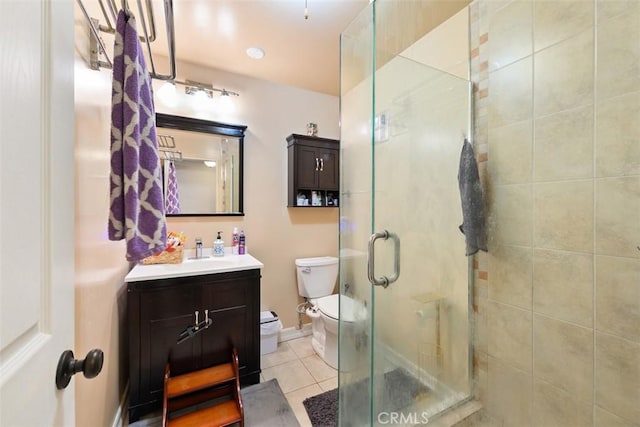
[316, 276]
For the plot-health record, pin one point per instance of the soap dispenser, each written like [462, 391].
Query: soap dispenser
[218, 245]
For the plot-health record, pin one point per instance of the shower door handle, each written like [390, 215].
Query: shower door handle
[383, 281]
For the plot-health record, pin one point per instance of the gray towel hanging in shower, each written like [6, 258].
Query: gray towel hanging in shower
[472, 202]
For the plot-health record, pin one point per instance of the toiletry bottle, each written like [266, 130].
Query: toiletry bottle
[241, 243]
[218, 246]
[198, 247]
[236, 240]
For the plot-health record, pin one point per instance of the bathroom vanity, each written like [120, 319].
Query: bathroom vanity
[165, 302]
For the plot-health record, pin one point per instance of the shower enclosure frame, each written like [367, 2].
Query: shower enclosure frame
[352, 266]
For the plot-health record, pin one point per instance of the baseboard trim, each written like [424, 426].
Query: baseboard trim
[119, 420]
[288, 334]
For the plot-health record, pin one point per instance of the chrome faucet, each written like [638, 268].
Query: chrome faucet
[198, 247]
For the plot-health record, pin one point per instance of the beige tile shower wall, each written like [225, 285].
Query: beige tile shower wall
[416, 167]
[401, 23]
[557, 86]
[427, 114]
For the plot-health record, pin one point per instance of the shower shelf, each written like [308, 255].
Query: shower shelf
[429, 297]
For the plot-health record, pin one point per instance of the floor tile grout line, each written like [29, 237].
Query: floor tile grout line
[316, 383]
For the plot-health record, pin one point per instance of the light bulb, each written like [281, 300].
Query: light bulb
[167, 94]
[201, 96]
[226, 104]
[202, 101]
[210, 163]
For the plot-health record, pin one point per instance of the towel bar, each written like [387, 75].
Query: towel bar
[148, 29]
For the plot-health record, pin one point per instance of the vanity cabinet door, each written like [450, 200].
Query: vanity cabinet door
[158, 312]
[233, 302]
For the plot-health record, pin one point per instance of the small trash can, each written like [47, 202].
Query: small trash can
[270, 325]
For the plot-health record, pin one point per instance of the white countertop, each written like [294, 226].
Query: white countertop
[194, 267]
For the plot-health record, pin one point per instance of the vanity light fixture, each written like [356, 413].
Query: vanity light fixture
[197, 89]
[203, 95]
[210, 163]
[194, 88]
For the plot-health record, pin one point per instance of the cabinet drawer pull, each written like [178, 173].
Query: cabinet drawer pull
[317, 164]
[321, 164]
[196, 325]
[206, 318]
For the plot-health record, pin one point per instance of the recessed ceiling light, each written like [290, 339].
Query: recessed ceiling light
[255, 53]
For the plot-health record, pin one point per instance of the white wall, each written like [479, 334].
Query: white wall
[276, 235]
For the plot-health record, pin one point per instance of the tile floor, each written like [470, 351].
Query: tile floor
[300, 373]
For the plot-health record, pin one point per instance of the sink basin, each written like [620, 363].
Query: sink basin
[206, 258]
[211, 262]
[192, 266]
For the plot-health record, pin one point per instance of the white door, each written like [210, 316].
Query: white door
[36, 211]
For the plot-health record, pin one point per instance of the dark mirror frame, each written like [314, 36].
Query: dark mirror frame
[207, 126]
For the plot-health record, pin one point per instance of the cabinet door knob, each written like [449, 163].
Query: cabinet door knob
[196, 325]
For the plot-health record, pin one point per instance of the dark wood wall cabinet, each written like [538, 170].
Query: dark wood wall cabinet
[162, 311]
[313, 170]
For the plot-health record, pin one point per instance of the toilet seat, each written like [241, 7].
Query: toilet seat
[329, 307]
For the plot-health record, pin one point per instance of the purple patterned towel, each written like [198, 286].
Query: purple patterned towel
[137, 208]
[173, 198]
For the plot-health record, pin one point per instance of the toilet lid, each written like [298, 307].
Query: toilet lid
[329, 307]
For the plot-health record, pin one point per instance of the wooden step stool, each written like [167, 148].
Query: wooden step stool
[209, 397]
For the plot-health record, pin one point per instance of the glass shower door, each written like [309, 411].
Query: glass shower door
[404, 276]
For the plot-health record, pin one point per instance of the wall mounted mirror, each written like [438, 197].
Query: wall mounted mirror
[202, 163]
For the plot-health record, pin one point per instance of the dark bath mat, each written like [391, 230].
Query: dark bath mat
[323, 409]
[400, 390]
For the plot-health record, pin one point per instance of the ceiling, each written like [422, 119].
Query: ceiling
[299, 52]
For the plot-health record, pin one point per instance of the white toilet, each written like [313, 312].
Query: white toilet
[316, 280]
